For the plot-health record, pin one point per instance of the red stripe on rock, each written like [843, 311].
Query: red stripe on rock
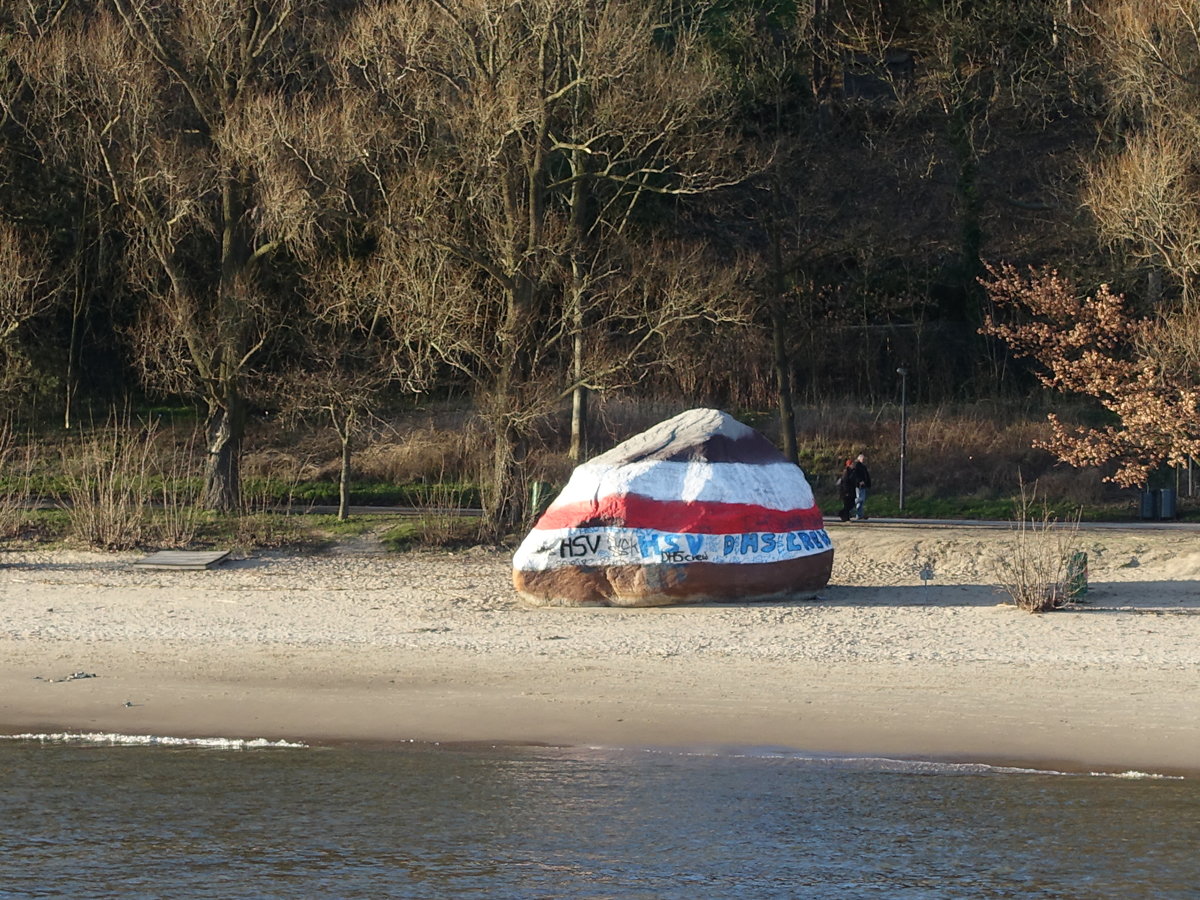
[634, 511]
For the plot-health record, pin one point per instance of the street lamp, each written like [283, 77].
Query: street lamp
[903, 373]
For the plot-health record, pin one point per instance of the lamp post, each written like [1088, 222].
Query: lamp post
[903, 373]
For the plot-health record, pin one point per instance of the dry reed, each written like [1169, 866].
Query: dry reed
[178, 495]
[17, 463]
[108, 484]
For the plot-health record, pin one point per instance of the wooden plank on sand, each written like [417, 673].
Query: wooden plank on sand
[183, 559]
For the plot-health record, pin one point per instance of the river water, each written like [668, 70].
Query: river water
[129, 818]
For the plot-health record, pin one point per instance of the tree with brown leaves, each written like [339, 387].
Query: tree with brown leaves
[1093, 346]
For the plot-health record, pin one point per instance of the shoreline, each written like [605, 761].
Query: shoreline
[435, 648]
[856, 717]
[909, 764]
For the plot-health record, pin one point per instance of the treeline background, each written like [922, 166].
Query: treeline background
[515, 215]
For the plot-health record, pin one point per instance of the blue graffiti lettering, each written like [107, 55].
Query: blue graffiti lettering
[647, 543]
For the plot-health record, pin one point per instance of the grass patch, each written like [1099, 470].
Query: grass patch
[41, 528]
[419, 532]
[325, 493]
[355, 526]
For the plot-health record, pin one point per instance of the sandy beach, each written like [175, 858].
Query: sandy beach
[358, 645]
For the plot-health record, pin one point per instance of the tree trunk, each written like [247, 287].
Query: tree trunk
[966, 310]
[69, 380]
[343, 421]
[579, 410]
[504, 500]
[970, 107]
[783, 376]
[226, 429]
[73, 339]
[579, 228]
[503, 493]
[579, 418]
[822, 72]
[783, 363]
[344, 479]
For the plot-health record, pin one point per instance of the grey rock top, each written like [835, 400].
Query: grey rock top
[697, 435]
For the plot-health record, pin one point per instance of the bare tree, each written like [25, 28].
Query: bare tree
[549, 124]
[1144, 191]
[363, 334]
[979, 62]
[780, 48]
[619, 144]
[23, 282]
[24, 295]
[26, 288]
[341, 169]
[174, 100]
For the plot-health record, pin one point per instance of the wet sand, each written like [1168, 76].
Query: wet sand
[362, 646]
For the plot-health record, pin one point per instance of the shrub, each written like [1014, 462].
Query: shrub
[1034, 573]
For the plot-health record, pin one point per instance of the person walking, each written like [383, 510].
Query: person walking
[862, 486]
[846, 490]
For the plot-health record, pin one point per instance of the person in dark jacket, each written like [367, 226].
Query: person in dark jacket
[862, 485]
[846, 490]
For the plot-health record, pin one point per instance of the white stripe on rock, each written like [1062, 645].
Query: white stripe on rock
[779, 485]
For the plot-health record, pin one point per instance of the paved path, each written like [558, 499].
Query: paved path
[1002, 523]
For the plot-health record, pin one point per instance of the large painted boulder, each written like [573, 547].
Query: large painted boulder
[700, 508]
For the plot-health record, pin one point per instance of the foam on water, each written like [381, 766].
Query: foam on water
[1135, 775]
[901, 766]
[152, 740]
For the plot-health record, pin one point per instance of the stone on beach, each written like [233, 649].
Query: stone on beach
[699, 508]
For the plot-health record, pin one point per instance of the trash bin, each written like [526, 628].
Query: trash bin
[1148, 505]
[1166, 503]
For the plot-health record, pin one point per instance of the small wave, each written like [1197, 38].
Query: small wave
[153, 740]
[862, 763]
[931, 767]
[935, 767]
[1134, 775]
